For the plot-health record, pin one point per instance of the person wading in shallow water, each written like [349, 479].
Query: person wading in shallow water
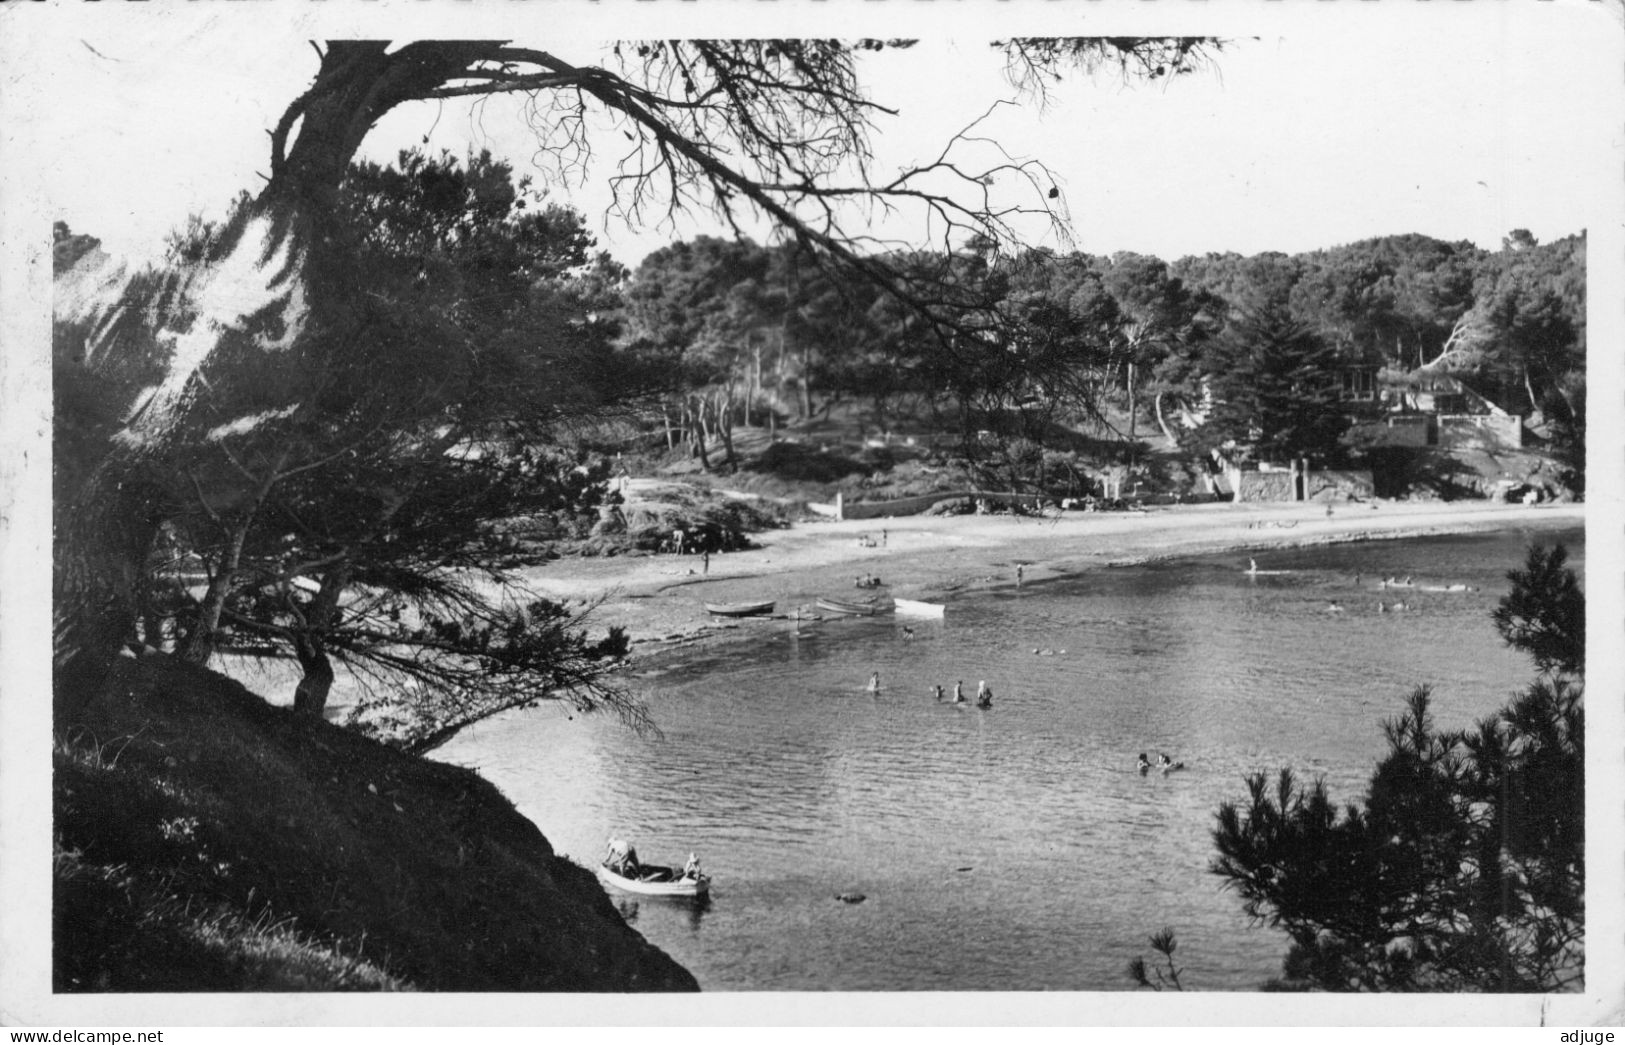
[959, 692]
[984, 695]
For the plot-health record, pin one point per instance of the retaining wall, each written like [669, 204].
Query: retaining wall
[1324, 485]
[1265, 486]
[915, 505]
[1481, 431]
[1332, 485]
[1413, 430]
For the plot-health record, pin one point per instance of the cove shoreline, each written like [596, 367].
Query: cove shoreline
[658, 599]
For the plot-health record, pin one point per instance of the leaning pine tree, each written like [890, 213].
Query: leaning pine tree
[248, 332]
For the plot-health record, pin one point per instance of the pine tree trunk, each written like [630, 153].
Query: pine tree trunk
[310, 696]
[725, 425]
[699, 436]
[310, 644]
[200, 642]
[102, 543]
[1162, 422]
[1132, 402]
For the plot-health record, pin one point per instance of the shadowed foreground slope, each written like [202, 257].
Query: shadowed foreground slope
[208, 841]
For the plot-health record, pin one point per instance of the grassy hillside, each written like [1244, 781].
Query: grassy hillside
[208, 841]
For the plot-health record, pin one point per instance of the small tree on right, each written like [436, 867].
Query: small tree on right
[1464, 869]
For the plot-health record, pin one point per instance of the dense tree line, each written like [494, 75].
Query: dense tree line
[1042, 338]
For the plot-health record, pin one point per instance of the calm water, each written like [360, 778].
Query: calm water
[1016, 848]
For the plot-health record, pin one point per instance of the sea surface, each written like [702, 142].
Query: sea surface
[1015, 848]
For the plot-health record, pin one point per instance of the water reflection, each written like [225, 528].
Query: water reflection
[690, 909]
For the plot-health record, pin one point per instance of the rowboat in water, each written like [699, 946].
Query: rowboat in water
[915, 608]
[739, 609]
[657, 881]
[851, 609]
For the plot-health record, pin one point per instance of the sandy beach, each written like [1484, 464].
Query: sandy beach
[658, 598]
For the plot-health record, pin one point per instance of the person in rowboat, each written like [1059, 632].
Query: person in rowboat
[691, 869]
[622, 858]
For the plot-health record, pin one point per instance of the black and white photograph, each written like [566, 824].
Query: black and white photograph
[681, 514]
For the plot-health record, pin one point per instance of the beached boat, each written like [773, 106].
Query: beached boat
[915, 608]
[739, 609]
[852, 609]
[657, 881]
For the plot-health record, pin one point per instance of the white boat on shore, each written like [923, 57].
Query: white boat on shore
[657, 881]
[915, 608]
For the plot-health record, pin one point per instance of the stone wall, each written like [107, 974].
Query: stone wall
[1332, 485]
[1480, 432]
[1253, 486]
[1324, 485]
[1413, 430]
[915, 505]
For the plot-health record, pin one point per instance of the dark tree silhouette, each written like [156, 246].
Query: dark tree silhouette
[1544, 613]
[1274, 388]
